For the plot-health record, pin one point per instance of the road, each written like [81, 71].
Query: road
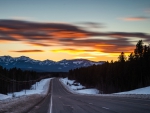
[62, 101]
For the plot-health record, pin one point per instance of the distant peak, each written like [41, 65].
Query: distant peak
[23, 57]
[6, 56]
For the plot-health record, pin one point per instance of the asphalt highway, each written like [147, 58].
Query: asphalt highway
[62, 101]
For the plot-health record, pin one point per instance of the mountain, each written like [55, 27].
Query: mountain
[27, 63]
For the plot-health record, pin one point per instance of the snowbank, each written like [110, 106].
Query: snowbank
[88, 91]
[142, 93]
[75, 87]
[2, 96]
[145, 90]
[38, 88]
[23, 102]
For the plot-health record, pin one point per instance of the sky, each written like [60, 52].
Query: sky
[97, 30]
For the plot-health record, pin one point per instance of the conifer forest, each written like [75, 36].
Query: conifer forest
[15, 79]
[128, 73]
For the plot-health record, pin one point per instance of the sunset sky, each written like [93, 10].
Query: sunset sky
[97, 30]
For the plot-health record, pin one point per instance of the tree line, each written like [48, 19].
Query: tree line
[127, 73]
[15, 79]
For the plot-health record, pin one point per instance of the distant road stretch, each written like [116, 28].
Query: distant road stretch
[62, 101]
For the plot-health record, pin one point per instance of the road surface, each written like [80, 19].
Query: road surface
[62, 101]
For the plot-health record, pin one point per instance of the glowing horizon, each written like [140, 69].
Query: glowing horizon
[97, 30]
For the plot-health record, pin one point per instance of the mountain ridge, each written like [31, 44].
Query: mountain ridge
[27, 63]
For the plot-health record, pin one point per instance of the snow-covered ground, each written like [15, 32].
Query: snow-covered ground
[145, 90]
[38, 88]
[2, 96]
[142, 93]
[75, 87]
[23, 102]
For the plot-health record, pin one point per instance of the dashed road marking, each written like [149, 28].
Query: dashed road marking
[50, 108]
[105, 108]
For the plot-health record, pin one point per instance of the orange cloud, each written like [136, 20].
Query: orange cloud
[116, 49]
[70, 51]
[16, 36]
[5, 29]
[135, 18]
[4, 41]
[102, 45]
[84, 57]
[68, 34]
[79, 51]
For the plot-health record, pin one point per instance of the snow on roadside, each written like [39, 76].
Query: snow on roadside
[23, 102]
[41, 88]
[75, 87]
[88, 91]
[2, 96]
[145, 90]
[142, 93]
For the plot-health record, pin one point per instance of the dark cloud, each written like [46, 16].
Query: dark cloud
[26, 25]
[49, 34]
[7, 38]
[38, 44]
[92, 24]
[28, 51]
[80, 50]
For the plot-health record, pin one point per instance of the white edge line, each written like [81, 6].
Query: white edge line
[51, 105]
[50, 109]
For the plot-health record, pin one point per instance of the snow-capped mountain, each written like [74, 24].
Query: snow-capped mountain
[27, 63]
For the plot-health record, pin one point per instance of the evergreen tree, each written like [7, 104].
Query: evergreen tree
[118, 76]
[139, 50]
[122, 57]
[131, 57]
